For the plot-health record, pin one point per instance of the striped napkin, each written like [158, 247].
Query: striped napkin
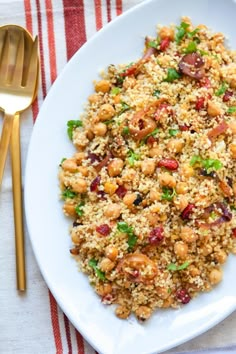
[32, 323]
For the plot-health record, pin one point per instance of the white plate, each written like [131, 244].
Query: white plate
[120, 41]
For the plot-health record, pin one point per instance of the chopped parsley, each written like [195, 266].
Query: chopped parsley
[110, 121]
[62, 160]
[232, 207]
[181, 32]
[172, 75]
[125, 131]
[222, 89]
[153, 133]
[193, 33]
[208, 164]
[232, 109]
[203, 52]
[94, 264]
[152, 44]
[79, 210]
[124, 107]
[168, 193]
[68, 193]
[173, 132]
[174, 267]
[132, 157]
[123, 227]
[115, 90]
[71, 125]
[156, 93]
[191, 48]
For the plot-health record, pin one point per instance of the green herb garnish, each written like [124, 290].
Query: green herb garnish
[203, 52]
[208, 164]
[68, 193]
[195, 159]
[193, 33]
[124, 107]
[173, 132]
[79, 209]
[152, 44]
[107, 122]
[232, 207]
[156, 93]
[62, 160]
[232, 109]
[172, 75]
[153, 133]
[132, 157]
[168, 193]
[181, 31]
[71, 125]
[174, 267]
[125, 131]
[191, 48]
[94, 264]
[222, 89]
[123, 227]
[115, 90]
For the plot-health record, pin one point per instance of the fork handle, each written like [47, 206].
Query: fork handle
[4, 142]
[17, 199]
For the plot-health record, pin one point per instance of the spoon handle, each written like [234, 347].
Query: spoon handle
[4, 142]
[17, 198]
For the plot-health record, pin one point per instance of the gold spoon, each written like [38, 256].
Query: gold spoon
[18, 88]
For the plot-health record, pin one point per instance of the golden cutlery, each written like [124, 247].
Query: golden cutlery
[19, 68]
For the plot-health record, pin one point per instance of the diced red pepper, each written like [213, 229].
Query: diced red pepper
[183, 128]
[234, 233]
[227, 96]
[219, 129]
[129, 71]
[200, 103]
[121, 191]
[103, 229]
[164, 44]
[151, 140]
[170, 164]
[205, 82]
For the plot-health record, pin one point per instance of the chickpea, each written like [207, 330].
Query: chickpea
[143, 313]
[69, 209]
[115, 167]
[110, 188]
[166, 179]
[206, 250]
[215, 276]
[116, 99]
[69, 165]
[111, 252]
[162, 292]
[83, 170]
[148, 167]
[186, 170]
[106, 112]
[187, 234]
[102, 86]
[100, 129]
[122, 312]
[155, 151]
[129, 82]
[129, 198]
[104, 289]
[79, 157]
[76, 238]
[233, 150]
[181, 188]
[181, 202]
[154, 195]
[181, 249]
[213, 109]
[193, 271]
[94, 98]
[221, 256]
[106, 265]
[167, 32]
[175, 145]
[152, 218]
[232, 126]
[79, 185]
[112, 211]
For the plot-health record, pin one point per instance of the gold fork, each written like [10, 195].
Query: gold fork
[18, 82]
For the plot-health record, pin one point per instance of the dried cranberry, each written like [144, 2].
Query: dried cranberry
[141, 124]
[95, 183]
[135, 273]
[200, 103]
[151, 140]
[156, 235]
[183, 296]
[107, 299]
[234, 233]
[121, 191]
[227, 96]
[183, 128]
[170, 164]
[187, 211]
[93, 157]
[205, 82]
[164, 44]
[103, 229]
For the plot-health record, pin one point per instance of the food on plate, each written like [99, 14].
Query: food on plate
[151, 187]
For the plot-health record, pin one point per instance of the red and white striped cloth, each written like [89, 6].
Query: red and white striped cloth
[32, 323]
